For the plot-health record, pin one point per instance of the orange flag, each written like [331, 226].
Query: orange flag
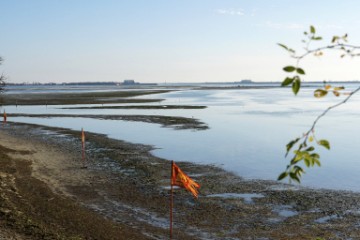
[5, 116]
[179, 178]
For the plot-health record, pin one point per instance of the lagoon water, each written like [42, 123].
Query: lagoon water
[248, 131]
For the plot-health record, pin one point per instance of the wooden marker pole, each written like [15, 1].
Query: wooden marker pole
[5, 118]
[83, 145]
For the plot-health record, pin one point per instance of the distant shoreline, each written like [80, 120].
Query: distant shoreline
[168, 84]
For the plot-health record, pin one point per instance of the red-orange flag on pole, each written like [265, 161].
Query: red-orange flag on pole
[179, 178]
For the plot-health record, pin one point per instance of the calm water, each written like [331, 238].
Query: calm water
[248, 131]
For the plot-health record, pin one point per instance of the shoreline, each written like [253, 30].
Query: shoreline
[127, 185]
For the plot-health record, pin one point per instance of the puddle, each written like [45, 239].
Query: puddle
[327, 218]
[287, 213]
[52, 133]
[169, 187]
[284, 187]
[353, 212]
[314, 210]
[248, 197]
[283, 212]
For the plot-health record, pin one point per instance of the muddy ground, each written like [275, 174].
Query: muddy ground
[123, 193]
[163, 107]
[70, 98]
[165, 121]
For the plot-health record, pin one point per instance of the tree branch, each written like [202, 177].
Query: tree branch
[303, 152]
[323, 114]
[339, 46]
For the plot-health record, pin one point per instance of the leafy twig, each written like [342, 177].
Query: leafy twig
[303, 152]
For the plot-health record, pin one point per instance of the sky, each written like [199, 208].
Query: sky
[170, 40]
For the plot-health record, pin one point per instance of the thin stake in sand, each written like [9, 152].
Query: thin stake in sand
[5, 117]
[83, 146]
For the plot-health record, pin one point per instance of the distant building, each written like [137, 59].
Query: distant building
[246, 81]
[129, 82]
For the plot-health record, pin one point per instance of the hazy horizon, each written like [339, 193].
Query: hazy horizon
[240, 83]
[169, 41]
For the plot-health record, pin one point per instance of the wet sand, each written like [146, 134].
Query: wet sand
[45, 193]
[165, 121]
[71, 98]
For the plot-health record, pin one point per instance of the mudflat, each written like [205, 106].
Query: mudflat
[66, 98]
[123, 193]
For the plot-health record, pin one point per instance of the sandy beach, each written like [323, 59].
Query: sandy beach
[123, 193]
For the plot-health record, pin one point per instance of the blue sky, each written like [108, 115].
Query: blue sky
[169, 40]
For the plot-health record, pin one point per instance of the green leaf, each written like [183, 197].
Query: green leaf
[309, 149]
[300, 71]
[287, 81]
[316, 38]
[290, 145]
[345, 38]
[312, 161]
[334, 39]
[298, 170]
[320, 93]
[294, 177]
[296, 86]
[306, 154]
[307, 162]
[282, 176]
[312, 29]
[324, 143]
[298, 157]
[289, 68]
[303, 145]
[283, 46]
[317, 162]
[315, 155]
